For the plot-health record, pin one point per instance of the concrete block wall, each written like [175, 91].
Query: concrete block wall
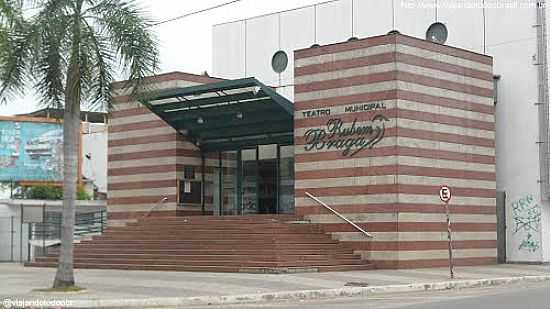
[380, 124]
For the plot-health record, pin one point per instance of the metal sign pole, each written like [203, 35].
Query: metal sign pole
[12, 232]
[450, 240]
[445, 196]
[21, 234]
[43, 227]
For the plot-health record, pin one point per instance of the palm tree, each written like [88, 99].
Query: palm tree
[10, 22]
[9, 12]
[70, 50]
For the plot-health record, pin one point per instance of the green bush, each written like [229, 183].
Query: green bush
[82, 195]
[44, 192]
[49, 192]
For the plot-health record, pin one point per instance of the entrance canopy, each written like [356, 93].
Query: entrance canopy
[226, 115]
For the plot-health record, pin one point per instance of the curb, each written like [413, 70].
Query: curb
[296, 295]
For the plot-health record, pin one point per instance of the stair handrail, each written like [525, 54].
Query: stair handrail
[357, 227]
[162, 200]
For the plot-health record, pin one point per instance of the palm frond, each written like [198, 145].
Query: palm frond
[128, 31]
[10, 11]
[50, 51]
[50, 63]
[111, 34]
[14, 51]
[97, 75]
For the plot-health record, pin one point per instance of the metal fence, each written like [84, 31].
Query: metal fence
[31, 230]
[13, 239]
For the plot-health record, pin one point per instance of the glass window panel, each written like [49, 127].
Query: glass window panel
[249, 182]
[267, 151]
[229, 185]
[248, 154]
[216, 187]
[286, 174]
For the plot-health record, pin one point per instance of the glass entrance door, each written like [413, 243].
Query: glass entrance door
[267, 186]
[255, 181]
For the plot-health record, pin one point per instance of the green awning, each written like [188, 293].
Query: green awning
[226, 115]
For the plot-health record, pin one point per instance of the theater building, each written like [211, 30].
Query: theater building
[513, 32]
[230, 173]
[376, 126]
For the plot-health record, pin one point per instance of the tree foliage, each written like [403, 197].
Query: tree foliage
[113, 37]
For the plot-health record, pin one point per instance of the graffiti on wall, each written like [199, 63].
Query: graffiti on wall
[31, 151]
[527, 221]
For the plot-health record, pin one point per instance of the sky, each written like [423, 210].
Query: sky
[185, 44]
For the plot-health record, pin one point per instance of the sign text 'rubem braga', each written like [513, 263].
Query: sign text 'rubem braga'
[351, 138]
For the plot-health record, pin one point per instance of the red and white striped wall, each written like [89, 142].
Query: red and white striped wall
[440, 130]
[146, 155]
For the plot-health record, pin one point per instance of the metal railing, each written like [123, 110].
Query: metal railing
[339, 215]
[148, 213]
[85, 224]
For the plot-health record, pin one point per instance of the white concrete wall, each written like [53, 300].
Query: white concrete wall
[517, 126]
[12, 247]
[506, 34]
[546, 205]
[546, 231]
[229, 61]
[290, 39]
[94, 154]
[5, 192]
[6, 211]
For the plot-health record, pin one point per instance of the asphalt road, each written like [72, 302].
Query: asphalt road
[517, 296]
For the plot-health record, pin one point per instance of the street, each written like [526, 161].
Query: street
[517, 296]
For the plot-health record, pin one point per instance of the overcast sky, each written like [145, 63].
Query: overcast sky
[186, 44]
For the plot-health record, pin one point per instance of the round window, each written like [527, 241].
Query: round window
[437, 33]
[279, 61]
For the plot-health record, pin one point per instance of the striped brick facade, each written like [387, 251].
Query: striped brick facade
[440, 130]
[147, 156]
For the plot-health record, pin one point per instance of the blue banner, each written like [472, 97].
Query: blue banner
[31, 151]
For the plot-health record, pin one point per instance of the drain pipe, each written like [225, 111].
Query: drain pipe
[542, 103]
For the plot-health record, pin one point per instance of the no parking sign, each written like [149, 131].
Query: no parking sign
[445, 194]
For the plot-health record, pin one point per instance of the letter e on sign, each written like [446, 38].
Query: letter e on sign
[445, 194]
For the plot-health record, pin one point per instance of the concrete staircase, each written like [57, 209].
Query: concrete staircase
[259, 243]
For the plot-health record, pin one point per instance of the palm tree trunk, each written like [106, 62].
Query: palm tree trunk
[71, 141]
[71, 152]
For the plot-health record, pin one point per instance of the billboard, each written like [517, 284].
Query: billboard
[31, 151]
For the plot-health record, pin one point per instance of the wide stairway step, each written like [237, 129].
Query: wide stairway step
[259, 244]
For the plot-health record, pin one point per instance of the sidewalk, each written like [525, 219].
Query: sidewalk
[17, 281]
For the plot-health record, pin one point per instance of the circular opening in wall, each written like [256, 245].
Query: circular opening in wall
[279, 61]
[394, 32]
[353, 38]
[315, 45]
[437, 33]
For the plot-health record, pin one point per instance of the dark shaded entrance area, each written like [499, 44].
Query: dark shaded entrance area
[267, 185]
[245, 133]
